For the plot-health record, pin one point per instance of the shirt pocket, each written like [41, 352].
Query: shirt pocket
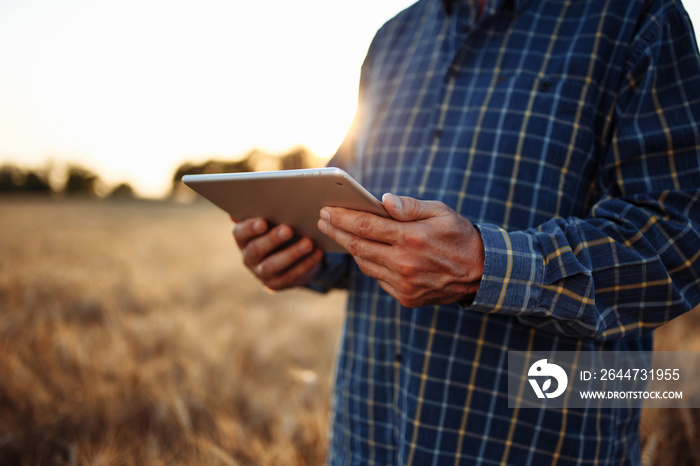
[551, 123]
[550, 108]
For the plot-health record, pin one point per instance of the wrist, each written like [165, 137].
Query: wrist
[466, 301]
[475, 270]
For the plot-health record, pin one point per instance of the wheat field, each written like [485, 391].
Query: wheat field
[130, 334]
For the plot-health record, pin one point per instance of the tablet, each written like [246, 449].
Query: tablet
[292, 197]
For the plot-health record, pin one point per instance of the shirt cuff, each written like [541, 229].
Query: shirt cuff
[333, 273]
[513, 272]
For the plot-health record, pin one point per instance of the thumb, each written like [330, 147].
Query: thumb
[406, 209]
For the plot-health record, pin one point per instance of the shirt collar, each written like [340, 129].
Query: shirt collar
[514, 6]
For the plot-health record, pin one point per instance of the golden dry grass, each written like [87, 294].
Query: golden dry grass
[130, 334]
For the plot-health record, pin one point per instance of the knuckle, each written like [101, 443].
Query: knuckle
[415, 237]
[362, 226]
[407, 269]
[413, 207]
[354, 246]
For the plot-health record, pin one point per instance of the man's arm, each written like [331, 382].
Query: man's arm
[634, 262]
[630, 266]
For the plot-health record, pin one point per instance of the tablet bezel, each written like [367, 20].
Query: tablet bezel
[292, 197]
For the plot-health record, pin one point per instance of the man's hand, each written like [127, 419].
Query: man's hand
[278, 267]
[426, 254]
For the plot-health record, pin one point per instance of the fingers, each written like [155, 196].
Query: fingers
[259, 247]
[248, 229]
[298, 274]
[361, 224]
[277, 264]
[404, 208]
[274, 264]
[356, 245]
[376, 228]
[375, 270]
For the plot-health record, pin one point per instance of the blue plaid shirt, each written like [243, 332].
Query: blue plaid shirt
[566, 131]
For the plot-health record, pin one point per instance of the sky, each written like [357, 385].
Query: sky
[133, 88]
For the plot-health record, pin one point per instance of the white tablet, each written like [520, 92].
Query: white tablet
[292, 197]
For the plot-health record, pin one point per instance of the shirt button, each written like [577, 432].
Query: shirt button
[397, 357]
[438, 133]
[545, 86]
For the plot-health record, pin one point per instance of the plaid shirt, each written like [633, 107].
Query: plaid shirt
[566, 131]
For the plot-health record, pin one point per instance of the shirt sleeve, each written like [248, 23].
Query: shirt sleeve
[634, 262]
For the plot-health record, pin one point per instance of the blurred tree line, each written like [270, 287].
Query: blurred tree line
[255, 160]
[76, 181]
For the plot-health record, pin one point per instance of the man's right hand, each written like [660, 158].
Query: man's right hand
[277, 268]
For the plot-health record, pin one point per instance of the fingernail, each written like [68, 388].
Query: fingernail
[325, 215]
[284, 233]
[259, 226]
[323, 226]
[397, 202]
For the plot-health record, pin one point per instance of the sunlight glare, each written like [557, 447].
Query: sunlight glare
[133, 88]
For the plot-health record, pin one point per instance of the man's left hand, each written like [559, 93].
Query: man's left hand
[425, 254]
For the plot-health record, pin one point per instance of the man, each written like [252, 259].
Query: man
[544, 164]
